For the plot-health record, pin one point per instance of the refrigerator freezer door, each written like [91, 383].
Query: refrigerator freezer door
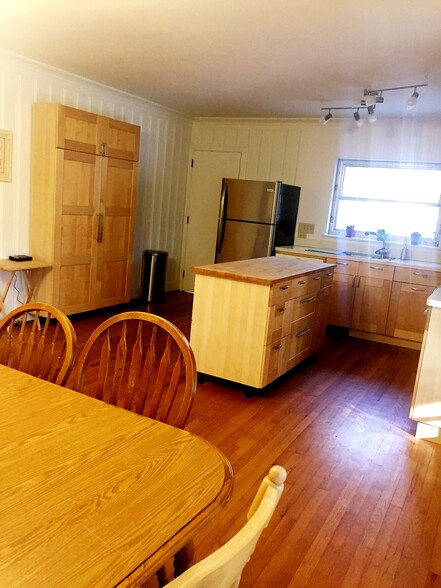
[286, 214]
[242, 240]
[250, 200]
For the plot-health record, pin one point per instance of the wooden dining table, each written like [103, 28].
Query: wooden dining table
[94, 495]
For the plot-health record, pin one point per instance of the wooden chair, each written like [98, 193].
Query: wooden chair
[40, 340]
[224, 567]
[140, 362]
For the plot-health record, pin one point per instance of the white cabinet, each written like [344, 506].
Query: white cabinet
[426, 400]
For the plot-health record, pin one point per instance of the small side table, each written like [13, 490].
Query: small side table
[31, 273]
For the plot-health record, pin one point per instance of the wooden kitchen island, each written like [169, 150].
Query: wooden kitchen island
[255, 319]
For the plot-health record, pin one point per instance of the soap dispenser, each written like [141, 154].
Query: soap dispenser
[404, 253]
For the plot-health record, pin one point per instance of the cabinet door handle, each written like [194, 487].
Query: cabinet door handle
[330, 274]
[99, 237]
[317, 278]
[303, 333]
[418, 289]
[307, 299]
[302, 282]
[281, 309]
[420, 274]
[283, 287]
[277, 347]
[341, 263]
[376, 267]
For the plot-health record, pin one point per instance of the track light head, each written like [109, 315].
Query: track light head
[358, 120]
[372, 117]
[326, 118]
[413, 99]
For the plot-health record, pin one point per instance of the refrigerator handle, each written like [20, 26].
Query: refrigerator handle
[221, 221]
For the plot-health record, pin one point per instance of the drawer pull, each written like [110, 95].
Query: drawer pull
[377, 267]
[420, 274]
[317, 278]
[341, 263]
[418, 289]
[281, 309]
[277, 347]
[307, 299]
[283, 287]
[330, 274]
[302, 282]
[303, 333]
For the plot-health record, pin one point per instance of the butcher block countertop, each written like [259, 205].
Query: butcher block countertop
[262, 270]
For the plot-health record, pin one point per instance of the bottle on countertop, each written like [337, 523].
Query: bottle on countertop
[404, 256]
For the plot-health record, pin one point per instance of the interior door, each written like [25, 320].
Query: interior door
[209, 167]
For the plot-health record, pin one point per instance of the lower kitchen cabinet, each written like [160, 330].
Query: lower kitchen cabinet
[254, 320]
[407, 317]
[371, 304]
[380, 300]
[342, 296]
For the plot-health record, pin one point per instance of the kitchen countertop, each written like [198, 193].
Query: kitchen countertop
[325, 253]
[434, 299]
[262, 270]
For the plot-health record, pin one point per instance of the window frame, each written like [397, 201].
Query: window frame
[343, 163]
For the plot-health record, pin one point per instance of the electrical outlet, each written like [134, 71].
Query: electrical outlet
[304, 229]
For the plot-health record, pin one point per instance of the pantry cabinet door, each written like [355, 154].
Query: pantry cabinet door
[115, 239]
[77, 130]
[75, 231]
[121, 139]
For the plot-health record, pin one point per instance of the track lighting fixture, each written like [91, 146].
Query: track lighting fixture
[327, 117]
[372, 117]
[413, 99]
[370, 100]
[371, 97]
[358, 120]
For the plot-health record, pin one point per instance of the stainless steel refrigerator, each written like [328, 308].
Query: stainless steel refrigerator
[254, 218]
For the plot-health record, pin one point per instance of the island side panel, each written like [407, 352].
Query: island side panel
[229, 326]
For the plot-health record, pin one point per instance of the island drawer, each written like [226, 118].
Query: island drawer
[327, 277]
[288, 289]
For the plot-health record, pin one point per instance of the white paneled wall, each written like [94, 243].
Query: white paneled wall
[270, 148]
[165, 141]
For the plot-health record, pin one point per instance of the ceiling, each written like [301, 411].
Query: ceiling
[240, 58]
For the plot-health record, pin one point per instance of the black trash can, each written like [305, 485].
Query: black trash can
[155, 267]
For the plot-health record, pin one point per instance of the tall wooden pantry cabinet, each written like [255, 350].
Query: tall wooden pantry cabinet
[83, 188]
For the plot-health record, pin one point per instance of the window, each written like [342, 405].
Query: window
[400, 198]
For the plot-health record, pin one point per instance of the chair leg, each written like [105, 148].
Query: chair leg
[184, 558]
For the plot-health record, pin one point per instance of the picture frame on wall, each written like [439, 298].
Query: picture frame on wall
[5, 156]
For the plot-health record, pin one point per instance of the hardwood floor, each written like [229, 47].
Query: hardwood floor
[362, 502]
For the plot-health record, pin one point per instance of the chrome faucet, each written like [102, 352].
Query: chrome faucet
[383, 251]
